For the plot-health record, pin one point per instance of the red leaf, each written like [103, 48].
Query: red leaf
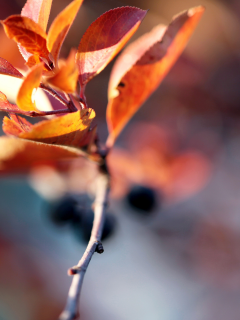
[60, 27]
[5, 105]
[15, 125]
[148, 69]
[19, 154]
[28, 34]
[8, 69]
[105, 38]
[70, 130]
[38, 11]
[32, 81]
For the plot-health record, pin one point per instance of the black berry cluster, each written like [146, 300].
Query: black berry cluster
[78, 214]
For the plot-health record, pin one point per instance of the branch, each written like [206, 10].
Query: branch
[34, 113]
[71, 310]
[68, 103]
[54, 93]
[71, 104]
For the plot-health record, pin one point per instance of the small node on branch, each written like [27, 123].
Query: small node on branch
[72, 271]
[99, 248]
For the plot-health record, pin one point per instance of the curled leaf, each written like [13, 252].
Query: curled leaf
[8, 69]
[147, 69]
[69, 130]
[32, 81]
[66, 77]
[105, 37]
[60, 27]
[28, 34]
[38, 11]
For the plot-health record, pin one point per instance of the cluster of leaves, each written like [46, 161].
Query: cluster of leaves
[136, 74]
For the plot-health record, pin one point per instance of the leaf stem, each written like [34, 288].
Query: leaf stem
[35, 113]
[71, 104]
[71, 310]
[54, 93]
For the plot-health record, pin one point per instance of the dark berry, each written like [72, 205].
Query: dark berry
[142, 198]
[63, 211]
[83, 230]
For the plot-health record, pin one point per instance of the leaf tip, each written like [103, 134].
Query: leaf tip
[194, 10]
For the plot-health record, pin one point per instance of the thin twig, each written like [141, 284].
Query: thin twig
[54, 93]
[35, 113]
[71, 104]
[71, 310]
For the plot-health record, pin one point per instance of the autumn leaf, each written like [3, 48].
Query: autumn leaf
[35, 59]
[19, 154]
[15, 125]
[70, 130]
[148, 67]
[60, 27]
[28, 34]
[105, 37]
[38, 11]
[66, 77]
[5, 105]
[32, 81]
[8, 69]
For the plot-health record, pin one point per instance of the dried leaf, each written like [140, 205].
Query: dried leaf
[60, 27]
[32, 81]
[19, 154]
[69, 130]
[147, 73]
[28, 34]
[8, 69]
[105, 38]
[66, 77]
[38, 11]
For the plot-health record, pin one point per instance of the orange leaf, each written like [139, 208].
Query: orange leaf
[32, 81]
[69, 130]
[105, 38]
[33, 60]
[28, 34]
[8, 69]
[60, 27]
[19, 154]
[15, 125]
[38, 11]
[149, 68]
[66, 77]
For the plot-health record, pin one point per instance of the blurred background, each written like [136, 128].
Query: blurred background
[173, 228]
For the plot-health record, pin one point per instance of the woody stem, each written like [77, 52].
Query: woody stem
[54, 93]
[71, 309]
[34, 113]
